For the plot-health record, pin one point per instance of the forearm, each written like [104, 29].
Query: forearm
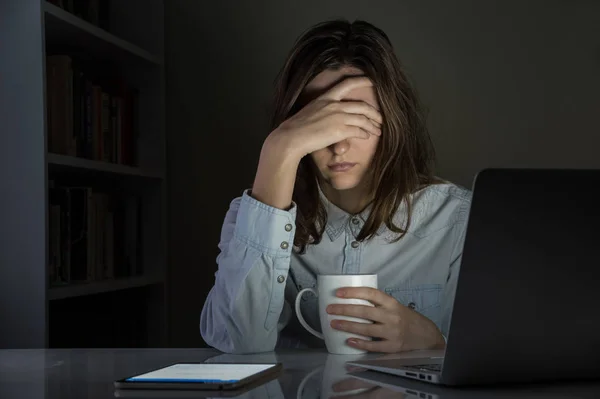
[246, 323]
[276, 173]
[242, 310]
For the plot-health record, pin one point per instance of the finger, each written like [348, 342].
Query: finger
[352, 369]
[348, 132]
[350, 83]
[364, 329]
[373, 295]
[360, 107]
[361, 121]
[350, 384]
[366, 312]
[386, 393]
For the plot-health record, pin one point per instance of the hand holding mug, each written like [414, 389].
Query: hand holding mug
[397, 327]
[327, 286]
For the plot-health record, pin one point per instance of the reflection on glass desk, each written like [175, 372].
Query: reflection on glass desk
[307, 374]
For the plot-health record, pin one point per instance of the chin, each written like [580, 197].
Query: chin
[341, 183]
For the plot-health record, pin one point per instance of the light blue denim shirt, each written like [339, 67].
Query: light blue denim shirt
[251, 305]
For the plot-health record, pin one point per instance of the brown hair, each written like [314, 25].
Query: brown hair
[404, 159]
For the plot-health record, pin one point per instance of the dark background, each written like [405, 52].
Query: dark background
[507, 83]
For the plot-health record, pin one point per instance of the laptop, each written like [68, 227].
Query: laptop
[391, 386]
[527, 303]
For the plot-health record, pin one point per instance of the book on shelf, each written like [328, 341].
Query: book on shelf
[94, 235]
[89, 116]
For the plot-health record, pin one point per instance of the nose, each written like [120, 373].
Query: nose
[340, 148]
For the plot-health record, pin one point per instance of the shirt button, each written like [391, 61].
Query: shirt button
[412, 305]
[355, 244]
[280, 279]
[355, 220]
[288, 227]
[284, 245]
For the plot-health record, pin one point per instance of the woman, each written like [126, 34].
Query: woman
[344, 184]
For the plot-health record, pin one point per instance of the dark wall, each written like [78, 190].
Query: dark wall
[506, 84]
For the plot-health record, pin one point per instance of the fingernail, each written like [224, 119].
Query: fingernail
[335, 324]
[353, 341]
[341, 292]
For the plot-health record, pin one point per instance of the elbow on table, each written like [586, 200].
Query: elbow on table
[243, 347]
[222, 341]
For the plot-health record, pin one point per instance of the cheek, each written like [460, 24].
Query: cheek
[319, 158]
[368, 147]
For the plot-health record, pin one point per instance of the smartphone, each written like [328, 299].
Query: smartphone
[201, 376]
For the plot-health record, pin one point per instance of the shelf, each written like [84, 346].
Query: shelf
[64, 28]
[97, 287]
[66, 161]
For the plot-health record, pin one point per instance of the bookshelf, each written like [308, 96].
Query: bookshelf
[83, 162]
[57, 162]
[76, 290]
[64, 27]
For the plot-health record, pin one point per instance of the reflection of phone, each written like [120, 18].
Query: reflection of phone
[201, 376]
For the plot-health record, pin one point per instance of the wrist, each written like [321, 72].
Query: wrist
[440, 341]
[425, 334]
[435, 338]
[277, 156]
[280, 145]
[275, 175]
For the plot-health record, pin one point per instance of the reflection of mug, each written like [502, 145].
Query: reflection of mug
[333, 374]
[327, 285]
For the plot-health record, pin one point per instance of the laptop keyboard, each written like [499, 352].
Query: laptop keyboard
[426, 367]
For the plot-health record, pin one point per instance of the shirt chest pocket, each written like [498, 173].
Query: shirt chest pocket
[424, 298]
[302, 279]
[309, 304]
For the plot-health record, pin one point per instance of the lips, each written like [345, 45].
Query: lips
[341, 167]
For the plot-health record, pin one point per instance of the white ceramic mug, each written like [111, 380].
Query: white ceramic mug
[327, 285]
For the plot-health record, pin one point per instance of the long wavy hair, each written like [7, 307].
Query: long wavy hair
[405, 157]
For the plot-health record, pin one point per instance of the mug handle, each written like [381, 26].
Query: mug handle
[307, 377]
[299, 314]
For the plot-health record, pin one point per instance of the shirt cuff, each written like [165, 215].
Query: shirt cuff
[265, 228]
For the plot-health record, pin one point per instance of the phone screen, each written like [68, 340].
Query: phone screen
[201, 373]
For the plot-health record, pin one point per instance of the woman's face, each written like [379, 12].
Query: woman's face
[344, 165]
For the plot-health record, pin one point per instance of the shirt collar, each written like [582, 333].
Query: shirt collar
[338, 219]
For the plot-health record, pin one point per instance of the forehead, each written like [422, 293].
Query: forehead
[329, 78]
